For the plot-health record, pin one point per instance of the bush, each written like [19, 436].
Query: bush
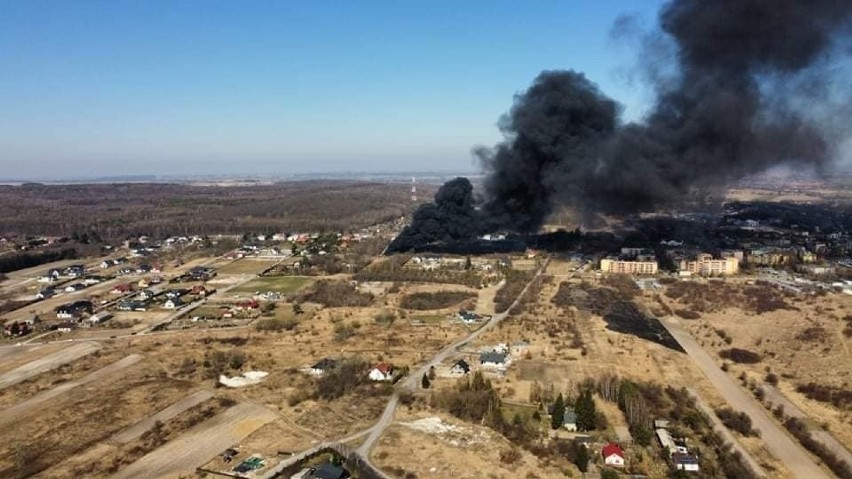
[385, 317]
[687, 314]
[438, 300]
[736, 421]
[276, 324]
[508, 293]
[742, 356]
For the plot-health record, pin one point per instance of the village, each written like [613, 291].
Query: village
[412, 354]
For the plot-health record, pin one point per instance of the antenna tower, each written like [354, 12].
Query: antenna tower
[413, 190]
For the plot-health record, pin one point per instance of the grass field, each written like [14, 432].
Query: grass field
[246, 266]
[281, 284]
[428, 318]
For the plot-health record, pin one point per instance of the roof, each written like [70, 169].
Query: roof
[324, 364]
[680, 458]
[329, 471]
[492, 357]
[384, 368]
[462, 364]
[613, 448]
[569, 417]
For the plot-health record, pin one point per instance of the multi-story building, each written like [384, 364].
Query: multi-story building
[705, 265]
[611, 265]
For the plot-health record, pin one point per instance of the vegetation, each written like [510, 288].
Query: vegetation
[736, 421]
[838, 466]
[276, 324]
[14, 262]
[336, 294]
[837, 396]
[116, 211]
[742, 356]
[437, 300]
[761, 297]
[515, 282]
[393, 269]
[342, 379]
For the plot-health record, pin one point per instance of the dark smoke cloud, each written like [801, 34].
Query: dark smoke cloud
[729, 104]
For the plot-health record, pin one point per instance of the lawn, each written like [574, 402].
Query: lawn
[246, 266]
[280, 284]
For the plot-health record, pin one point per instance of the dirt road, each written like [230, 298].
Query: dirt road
[201, 443]
[46, 363]
[776, 439]
[726, 435]
[775, 396]
[19, 410]
[136, 430]
[411, 382]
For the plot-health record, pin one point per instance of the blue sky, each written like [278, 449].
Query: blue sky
[95, 88]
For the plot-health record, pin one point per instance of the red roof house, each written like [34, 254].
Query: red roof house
[613, 455]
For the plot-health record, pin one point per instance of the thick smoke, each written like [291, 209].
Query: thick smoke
[731, 105]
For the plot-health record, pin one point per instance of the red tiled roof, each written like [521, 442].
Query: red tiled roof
[384, 368]
[611, 449]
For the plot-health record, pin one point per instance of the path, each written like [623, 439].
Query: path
[200, 444]
[47, 363]
[136, 430]
[726, 434]
[412, 381]
[775, 396]
[773, 435]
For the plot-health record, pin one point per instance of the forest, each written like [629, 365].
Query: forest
[110, 212]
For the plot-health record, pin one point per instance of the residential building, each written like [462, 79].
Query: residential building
[460, 368]
[493, 359]
[613, 265]
[569, 420]
[613, 455]
[382, 372]
[685, 462]
[323, 366]
[705, 265]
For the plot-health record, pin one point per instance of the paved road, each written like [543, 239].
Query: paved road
[15, 412]
[47, 363]
[775, 396]
[411, 382]
[776, 439]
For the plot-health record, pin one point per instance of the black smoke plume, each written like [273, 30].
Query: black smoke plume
[735, 99]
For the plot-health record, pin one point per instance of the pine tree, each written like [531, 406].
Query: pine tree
[558, 414]
[586, 412]
[425, 382]
[582, 460]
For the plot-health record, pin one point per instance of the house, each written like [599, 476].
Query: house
[468, 317]
[460, 368]
[569, 420]
[173, 303]
[16, 329]
[493, 359]
[146, 294]
[48, 278]
[101, 317]
[131, 305]
[73, 310]
[323, 366]
[143, 268]
[107, 263]
[74, 287]
[65, 327]
[685, 462]
[198, 290]
[124, 271]
[123, 288]
[382, 372]
[75, 271]
[175, 293]
[90, 280]
[613, 455]
[329, 471]
[45, 293]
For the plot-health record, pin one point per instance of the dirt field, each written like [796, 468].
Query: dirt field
[173, 410]
[46, 363]
[200, 443]
[11, 414]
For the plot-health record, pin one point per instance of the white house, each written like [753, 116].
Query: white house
[460, 368]
[173, 303]
[685, 462]
[613, 455]
[382, 372]
[324, 365]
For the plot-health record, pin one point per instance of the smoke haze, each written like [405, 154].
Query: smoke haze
[741, 85]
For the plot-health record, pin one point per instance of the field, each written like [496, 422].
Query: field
[246, 266]
[279, 284]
